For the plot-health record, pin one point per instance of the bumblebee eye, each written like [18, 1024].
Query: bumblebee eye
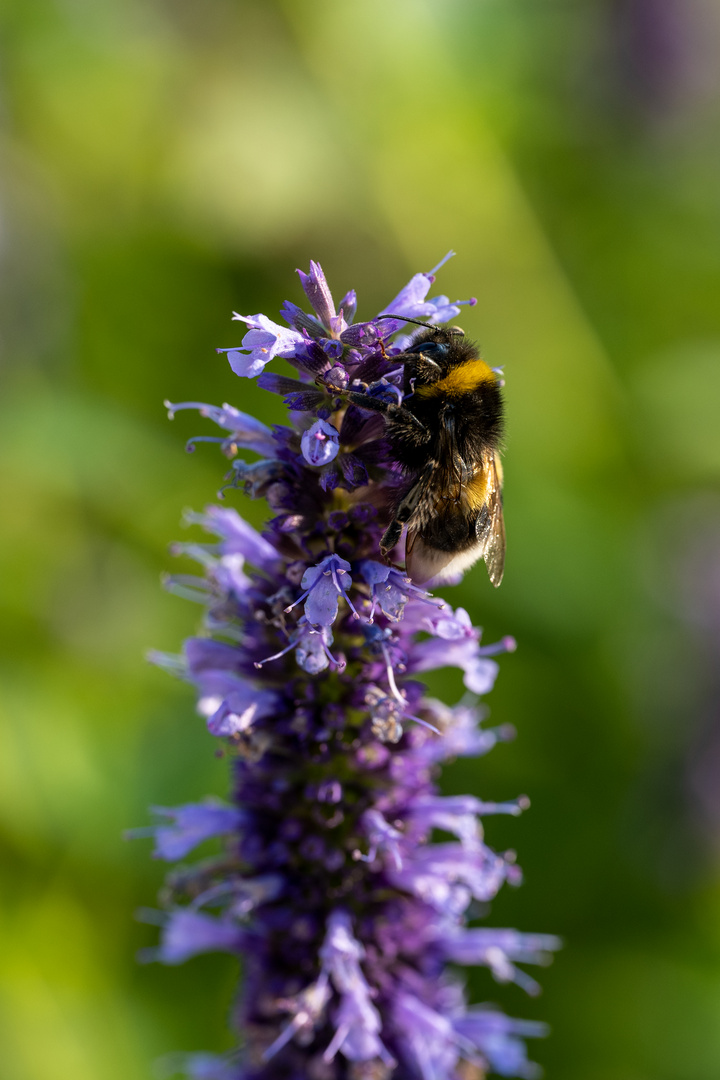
[434, 350]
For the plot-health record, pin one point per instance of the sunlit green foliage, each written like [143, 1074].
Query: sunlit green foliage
[168, 162]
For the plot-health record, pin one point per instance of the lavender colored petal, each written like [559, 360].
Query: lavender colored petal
[249, 363]
[205, 654]
[281, 384]
[428, 1036]
[191, 825]
[188, 933]
[382, 836]
[353, 469]
[320, 443]
[445, 309]
[323, 585]
[360, 334]
[208, 1067]
[300, 320]
[247, 431]
[318, 293]
[321, 606]
[348, 305]
[237, 713]
[263, 341]
[472, 945]
[332, 348]
[305, 400]
[238, 537]
[496, 1037]
[312, 651]
[358, 1025]
[410, 300]
[479, 673]
[230, 576]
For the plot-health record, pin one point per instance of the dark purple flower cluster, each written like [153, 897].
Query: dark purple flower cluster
[345, 913]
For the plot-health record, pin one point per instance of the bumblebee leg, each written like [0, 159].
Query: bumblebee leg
[391, 537]
[389, 408]
[364, 401]
[371, 404]
[406, 509]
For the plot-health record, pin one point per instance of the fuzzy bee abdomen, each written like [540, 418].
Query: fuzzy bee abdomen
[452, 531]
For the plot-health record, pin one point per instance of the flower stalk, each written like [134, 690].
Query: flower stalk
[329, 886]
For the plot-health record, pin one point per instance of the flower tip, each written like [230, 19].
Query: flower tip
[506, 732]
[472, 301]
[190, 447]
[509, 643]
[523, 802]
[431, 273]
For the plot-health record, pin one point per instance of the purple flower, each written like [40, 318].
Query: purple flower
[428, 1038]
[320, 443]
[497, 949]
[189, 932]
[312, 648]
[458, 814]
[390, 589]
[238, 538]
[323, 585]
[382, 837]
[245, 431]
[328, 882]
[348, 305]
[191, 824]
[203, 1066]
[412, 303]
[498, 1039]
[318, 293]
[263, 342]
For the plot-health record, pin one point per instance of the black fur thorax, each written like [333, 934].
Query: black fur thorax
[455, 396]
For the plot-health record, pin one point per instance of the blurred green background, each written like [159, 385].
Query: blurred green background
[167, 161]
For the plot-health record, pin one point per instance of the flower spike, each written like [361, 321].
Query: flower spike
[325, 874]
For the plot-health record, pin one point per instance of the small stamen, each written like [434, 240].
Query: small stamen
[276, 656]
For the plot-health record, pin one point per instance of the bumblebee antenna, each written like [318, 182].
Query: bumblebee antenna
[417, 322]
[427, 325]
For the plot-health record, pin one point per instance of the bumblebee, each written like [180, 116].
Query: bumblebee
[446, 435]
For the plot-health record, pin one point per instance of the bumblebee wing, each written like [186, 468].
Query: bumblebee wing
[490, 523]
[427, 559]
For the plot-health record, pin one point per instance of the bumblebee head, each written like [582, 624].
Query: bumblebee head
[436, 352]
[434, 342]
